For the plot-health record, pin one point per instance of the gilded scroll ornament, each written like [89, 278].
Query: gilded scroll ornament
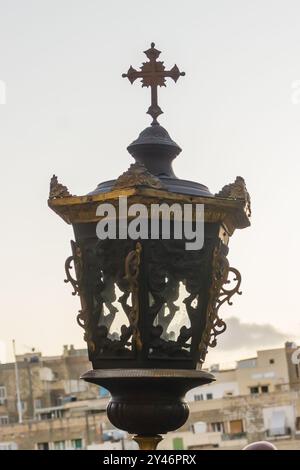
[237, 190]
[57, 190]
[137, 175]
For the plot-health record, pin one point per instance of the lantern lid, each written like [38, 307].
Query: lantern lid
[155, 150]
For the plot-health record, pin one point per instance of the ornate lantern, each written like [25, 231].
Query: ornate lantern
[149, 306]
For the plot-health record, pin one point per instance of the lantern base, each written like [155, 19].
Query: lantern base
[147, 402]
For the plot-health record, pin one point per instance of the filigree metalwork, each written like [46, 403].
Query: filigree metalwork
[174, 281]
[153, 75]
[237, 190]
[137, 175]
[104, 274]
[170, 265]
[132, 269]
[57, 190]
[219, 294]
[99, 274]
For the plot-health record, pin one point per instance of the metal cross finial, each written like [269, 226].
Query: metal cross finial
[153, 74]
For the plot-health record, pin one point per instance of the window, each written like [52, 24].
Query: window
[272, 361]
[59, 445]
[43, 445]
[8, 446]
[254, 390]
[199, 427]
[217, 427]
[38, 403]
[76, 443]
[23, 405]
[209, 396]
[55, 414]
[198, 397]
[2, 394]
[236, 426]
[4, 420]
[264, 389]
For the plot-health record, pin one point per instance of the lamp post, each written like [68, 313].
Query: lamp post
[150, 306]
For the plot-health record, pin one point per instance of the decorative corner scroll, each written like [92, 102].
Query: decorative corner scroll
[82, 317]
[138, 175]
[237, 190]
[132, 269]
[76, 260]
[57, 190]
[219, 294]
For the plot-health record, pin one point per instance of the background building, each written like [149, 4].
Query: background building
[272, 370]
[257, 399]
[44, 382]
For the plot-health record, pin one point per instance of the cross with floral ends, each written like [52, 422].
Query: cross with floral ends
[153, 74]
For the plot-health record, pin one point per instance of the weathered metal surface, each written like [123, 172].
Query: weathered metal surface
[232, 213]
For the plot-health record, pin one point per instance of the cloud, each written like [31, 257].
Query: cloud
[251, 336]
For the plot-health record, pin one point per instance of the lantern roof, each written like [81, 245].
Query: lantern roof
[151, 176]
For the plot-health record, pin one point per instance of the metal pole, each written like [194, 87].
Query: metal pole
[19, 404]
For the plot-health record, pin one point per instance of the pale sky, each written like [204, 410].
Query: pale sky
[69, 112]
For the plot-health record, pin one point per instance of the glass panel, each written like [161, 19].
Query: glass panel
[116, 309]
[120, 317]
[171, 333]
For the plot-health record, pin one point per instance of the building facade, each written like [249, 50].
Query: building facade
[271, 370]
[44, 382]
[259, 399]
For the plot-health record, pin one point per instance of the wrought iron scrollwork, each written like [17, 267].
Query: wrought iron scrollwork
[76, 260]
[82, 317]
[70, 278]
[219, 294]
